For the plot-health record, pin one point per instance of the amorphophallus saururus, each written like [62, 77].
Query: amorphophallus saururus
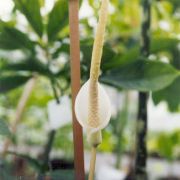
[92, 105]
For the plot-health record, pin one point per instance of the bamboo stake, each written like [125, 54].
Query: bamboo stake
[19, 111]
[75, 86]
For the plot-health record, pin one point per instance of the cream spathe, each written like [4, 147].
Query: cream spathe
[82, 108]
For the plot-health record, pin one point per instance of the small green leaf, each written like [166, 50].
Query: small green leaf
[170, 94]
[10, 82]
[31, 10]
[4, 130]
[142, 75]
[58, 18]
[11, 38]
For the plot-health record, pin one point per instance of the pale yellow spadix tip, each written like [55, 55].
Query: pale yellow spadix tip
[99, 41]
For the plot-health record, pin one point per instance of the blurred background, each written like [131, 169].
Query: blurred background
[35, 96]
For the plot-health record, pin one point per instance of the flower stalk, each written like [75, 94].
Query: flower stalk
[93, 112]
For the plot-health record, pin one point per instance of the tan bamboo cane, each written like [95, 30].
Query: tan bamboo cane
[75, 86]
[19, 111]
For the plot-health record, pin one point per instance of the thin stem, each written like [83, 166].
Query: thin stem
[55, 91]
[52, 133]
[48, 148]
[92, 163]
[19, 111]
[141, 149]
[120, 126]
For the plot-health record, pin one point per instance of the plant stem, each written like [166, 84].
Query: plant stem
[141, 149]
[48, 148]
[93, 107]
[19, 111]
[119, 128]
[52, 133]
[56, 95]
[92, 163]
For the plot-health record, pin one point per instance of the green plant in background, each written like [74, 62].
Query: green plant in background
[165, 145]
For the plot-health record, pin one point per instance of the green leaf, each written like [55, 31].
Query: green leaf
[31, 10]
[170, 94]
[10, 82]
[4, 130]
[11, 39]
[58, 18]
[30, 65]
[157, 45]
[34, 163]
[142, 75]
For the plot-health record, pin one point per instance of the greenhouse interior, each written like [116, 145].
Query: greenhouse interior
[90, 90]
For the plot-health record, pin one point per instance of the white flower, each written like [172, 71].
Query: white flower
[81, 107]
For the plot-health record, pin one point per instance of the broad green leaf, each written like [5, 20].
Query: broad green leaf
[31, 10]
[27, 65]
[4, 130]
[157, 45]
[170, 94]
[58, 18]
[10, 82]
[11, 38]
[142, 75]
